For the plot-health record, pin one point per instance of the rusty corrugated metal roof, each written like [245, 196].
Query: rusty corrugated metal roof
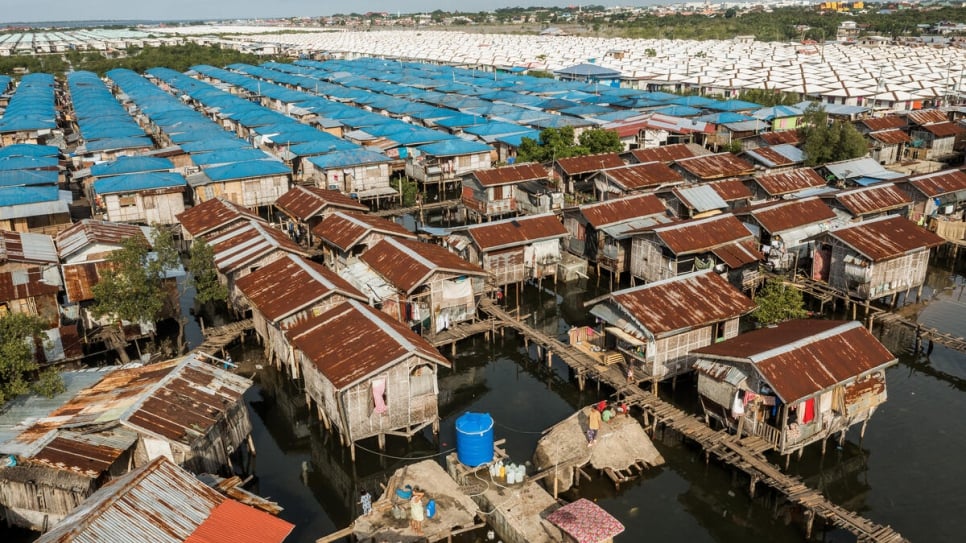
[777, 184]
[944, 129]
[803, 357]
[516, 232]
[90, 454]
[777, 138]
[773, 157]
[163, 503]
[27, 248]
[22, 284]
[783, 215]
[736, 255]
[344, 230]
[887, 237]
[682, 303]
[889, 122]
[88, 231]
[291, 284]
[613, 211]
[509, 175]
[644, 175]
[249, 241]
[664, 153]
[407, 264]
[925, 116]
[872, 199]
[717, 166]
[731, 189]
[890, 137]
[212, 215]
[80, 278]
[368, 341]
[303, 202]
[700, 235]
[940, 183]
[589, 163]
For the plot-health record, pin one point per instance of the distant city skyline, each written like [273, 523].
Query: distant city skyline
[100, 10]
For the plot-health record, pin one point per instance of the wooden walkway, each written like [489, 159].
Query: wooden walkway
[395, 212]
[744, 453]
[219, 337]
[462, 331]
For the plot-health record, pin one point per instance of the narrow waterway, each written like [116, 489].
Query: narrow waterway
[905, 473]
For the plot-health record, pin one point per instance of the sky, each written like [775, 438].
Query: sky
[88, 10]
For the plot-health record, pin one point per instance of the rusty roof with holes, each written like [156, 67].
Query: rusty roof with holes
[889, 122]
[700, 235]
[369, 341]
[344, 230]
[624, 209]
[777, 184]
[682, 303]
[939, 183]
[23, 284]
[717, 166]
[516, 232]
[664, 153]
[214, 214]
[886, 238]
[509, 175]
[80, 278]
[305, 284]
[644, 175]
[301, 202]
[800, 358]
[780, 137]
[589, 163]
[872, 199]
[782, 215]
[890, 137]
[408, 264]
[926, 116]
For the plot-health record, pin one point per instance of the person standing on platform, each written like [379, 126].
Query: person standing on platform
[593, 426]
[416, 513]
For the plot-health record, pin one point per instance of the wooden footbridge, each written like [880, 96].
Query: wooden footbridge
[744, 453]
[416, 210]
[217, 338]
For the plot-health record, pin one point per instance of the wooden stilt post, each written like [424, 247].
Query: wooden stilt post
[752, 485]
[381, 439]
[862, 431]
[809, 520]
[352, 451]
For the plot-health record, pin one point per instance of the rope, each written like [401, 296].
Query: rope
[519, 431]
[427, 457]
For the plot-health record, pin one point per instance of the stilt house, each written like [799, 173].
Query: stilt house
[796, 383]
[142, 198]
[344, 236]
[310, 205]
[941, 193]
[575, 173]
[785, 227]
[513, 250]
[492, 192]
[210, 218]
[873, 201]
[656, 326]
[375, 377]
[621, 181]
[784, 184]
[875, 258]
[287, 291]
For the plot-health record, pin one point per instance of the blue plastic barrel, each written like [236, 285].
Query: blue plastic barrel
[474, 439]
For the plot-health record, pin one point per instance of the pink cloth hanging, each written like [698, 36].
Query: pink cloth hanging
[378, 389]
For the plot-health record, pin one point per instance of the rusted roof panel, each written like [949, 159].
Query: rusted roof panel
[939, 183]
[717, 166]
[247, 242]
[27, 248]
[624, 209]
[736, 255]
[872, 199]
[344, 230]
[731, 190]
[892, 122]
[944, 129]
[367, 342]
[88, 454]
[79, 279]
[890, 137]
[212, 215]
[291, 284]
[683, 302]
[589, 163]
[703, 234]
[777, 184]
[782, 215]
[163, 503]
[773, 157]
[780, 137]
[803, 357]
[22, 284]
[407, 264]
[925, 116]
[508, 175]
[885, 238]
[303, 202]
[88, 231]
[664, 153]
[516, 232]
[639, 176]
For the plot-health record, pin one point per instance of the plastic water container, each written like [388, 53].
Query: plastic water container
[511, 474]
[431, 509]
[474, 439]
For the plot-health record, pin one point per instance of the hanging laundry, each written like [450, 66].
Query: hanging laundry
[737, 407]
[378, 390]
[808, 413]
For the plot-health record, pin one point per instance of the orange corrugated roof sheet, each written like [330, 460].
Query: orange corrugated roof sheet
[234, 522]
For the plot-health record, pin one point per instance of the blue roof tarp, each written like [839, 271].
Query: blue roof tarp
[341, 159]
[455, 146]
[131, 164]
[245, 170]
[133, 182]
[29, 149]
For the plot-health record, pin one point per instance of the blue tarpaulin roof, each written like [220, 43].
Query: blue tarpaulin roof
[28, 177]
[28, 149]
[134, 182]
[13, 196]
[322, 146]
[131, 164]
[455, 146]
[29, 163]
[244, 170]
[118, 143]
[228, 156]
[678, 111]
[734, 105]
[341, 159]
